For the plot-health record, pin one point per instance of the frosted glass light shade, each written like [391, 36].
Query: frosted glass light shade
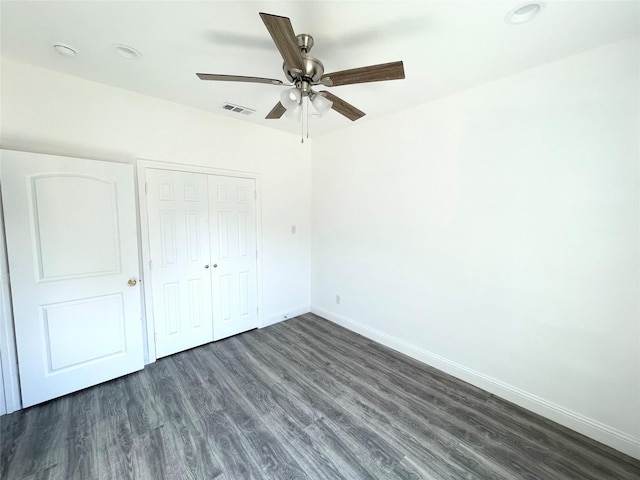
[321, 104]
[290, 98]
[294, 114]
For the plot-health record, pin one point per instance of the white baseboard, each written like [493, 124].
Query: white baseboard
[284, 315]
[591, 428]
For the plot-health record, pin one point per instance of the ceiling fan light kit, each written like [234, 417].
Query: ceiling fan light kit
[321, 104]
[290, 98]
[304, 72]
[294, 114]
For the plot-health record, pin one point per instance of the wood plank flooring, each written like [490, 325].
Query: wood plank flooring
[302, 399]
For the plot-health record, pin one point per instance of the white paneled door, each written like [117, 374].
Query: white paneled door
[232, 213]
[202, 246]
[177, 204]
[73, 262]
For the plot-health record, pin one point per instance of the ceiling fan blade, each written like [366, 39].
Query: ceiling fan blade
[276, 112]
[372, 73]
[284, 37]
[238, 78]
[342, 107]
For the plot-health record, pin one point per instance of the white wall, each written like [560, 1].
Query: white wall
[495, 234]
[46, 112]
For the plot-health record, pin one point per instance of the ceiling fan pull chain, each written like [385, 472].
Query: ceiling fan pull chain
[306, 114]
[303, 118]
[308, 101]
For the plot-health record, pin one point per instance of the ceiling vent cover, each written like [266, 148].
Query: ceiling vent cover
[237, 109]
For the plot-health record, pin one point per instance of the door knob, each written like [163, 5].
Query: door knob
[132, 282]
[215, 265]
[206, 266]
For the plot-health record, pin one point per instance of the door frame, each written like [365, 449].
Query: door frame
[8, 353]
[144, 245]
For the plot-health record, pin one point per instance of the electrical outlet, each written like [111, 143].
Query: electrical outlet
[338, 299]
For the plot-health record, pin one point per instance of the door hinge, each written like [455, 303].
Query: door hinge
[146, 188]
[255, 194]
[150, 264]
[256, 253]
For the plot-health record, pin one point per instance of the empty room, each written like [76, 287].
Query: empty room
[320, 240]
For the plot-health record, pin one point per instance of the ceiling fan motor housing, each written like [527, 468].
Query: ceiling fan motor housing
[313, 68]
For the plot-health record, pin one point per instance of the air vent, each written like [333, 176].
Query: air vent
[237, 109]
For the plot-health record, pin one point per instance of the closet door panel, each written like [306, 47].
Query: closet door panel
[232, 211]
[179, 249]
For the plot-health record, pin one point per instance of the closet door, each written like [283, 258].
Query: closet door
[73, 261]
[232, 214]
[180, 268]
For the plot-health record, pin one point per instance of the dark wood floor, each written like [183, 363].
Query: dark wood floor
[303, 399]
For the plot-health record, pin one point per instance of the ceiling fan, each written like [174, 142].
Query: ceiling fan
[305, 71]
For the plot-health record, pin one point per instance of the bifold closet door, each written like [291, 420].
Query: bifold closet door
[232, 215]
[73, 259]
[203, 251]
[180, 269]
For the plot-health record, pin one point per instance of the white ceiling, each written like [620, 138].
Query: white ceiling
[446, 46]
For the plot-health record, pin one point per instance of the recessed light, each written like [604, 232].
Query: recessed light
[125, 51]
[65, 50]
[523, 13]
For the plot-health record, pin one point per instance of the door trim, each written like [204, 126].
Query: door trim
[8, 353]
[144, 245]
